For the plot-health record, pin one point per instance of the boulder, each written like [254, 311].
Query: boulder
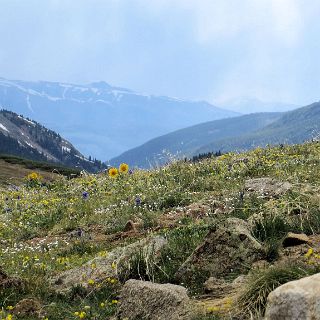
[153, 301]
[295, 300]
[27, 308]
[295, 239]
[227, 248]
[109, 265]
[267, 187]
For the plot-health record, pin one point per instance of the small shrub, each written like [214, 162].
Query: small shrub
[252, 300]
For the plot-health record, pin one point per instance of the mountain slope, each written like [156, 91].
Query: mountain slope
[185, 142]
[102, 120]
[293, 127]
[233, 134]
[25, 138]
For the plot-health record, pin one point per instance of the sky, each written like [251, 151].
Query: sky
[214, 50]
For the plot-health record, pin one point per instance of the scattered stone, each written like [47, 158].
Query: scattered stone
[132, 227]
[227, 248]
[27, 308]
[267, 187]
[295, 300]
[217, 287]
[295, 239]
[153, 301]
[110, 265]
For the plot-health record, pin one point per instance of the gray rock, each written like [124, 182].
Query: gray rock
[110, 265]
[295, 239]
[217, 287]
[295, 300]
[227, 248]
[152, 301]
[267, 187]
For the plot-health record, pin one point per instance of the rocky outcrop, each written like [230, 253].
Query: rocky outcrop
[267, 187]
[295, 300]
[295, 239]
[109, 265]
[152, 301]
[227, 248]
[28, 308]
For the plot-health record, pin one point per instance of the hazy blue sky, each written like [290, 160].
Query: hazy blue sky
[197, 49]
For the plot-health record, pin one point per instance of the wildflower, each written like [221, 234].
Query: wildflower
[33, 176]
[114, 301]
[113, 172]
[85, 195]
[91, 282]
[82, 315]
[123, 168]
[113, 265]
[309, 253]
[9, 317]
[102, 305]
[9, 307]
[138, 201]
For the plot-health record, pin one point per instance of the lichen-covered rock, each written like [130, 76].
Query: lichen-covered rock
[295, 239]
[217, 287]
[295, 300]
[267, 187]
[28, 308]
[227, 248]
[109, 265]
[153, 301]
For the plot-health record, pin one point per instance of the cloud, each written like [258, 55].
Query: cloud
[186, 48]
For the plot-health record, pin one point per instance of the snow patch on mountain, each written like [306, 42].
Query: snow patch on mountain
[3, 127]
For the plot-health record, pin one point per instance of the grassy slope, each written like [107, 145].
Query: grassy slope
[49, 212]
[13, 169]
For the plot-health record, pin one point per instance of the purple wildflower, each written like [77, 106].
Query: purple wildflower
[85, 195]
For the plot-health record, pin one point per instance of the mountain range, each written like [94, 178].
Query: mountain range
[102, 120]
[233, 134]
[28, 139]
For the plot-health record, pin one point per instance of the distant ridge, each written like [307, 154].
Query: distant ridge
[28, 139]
[232, 134]
[102, 120]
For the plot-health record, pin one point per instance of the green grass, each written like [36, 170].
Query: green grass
[36, 220]
[262, 281]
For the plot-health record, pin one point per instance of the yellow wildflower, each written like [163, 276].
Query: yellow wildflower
[33, 176]
[113, 172]
[309, 253]
[91, 282]
[123, 168]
